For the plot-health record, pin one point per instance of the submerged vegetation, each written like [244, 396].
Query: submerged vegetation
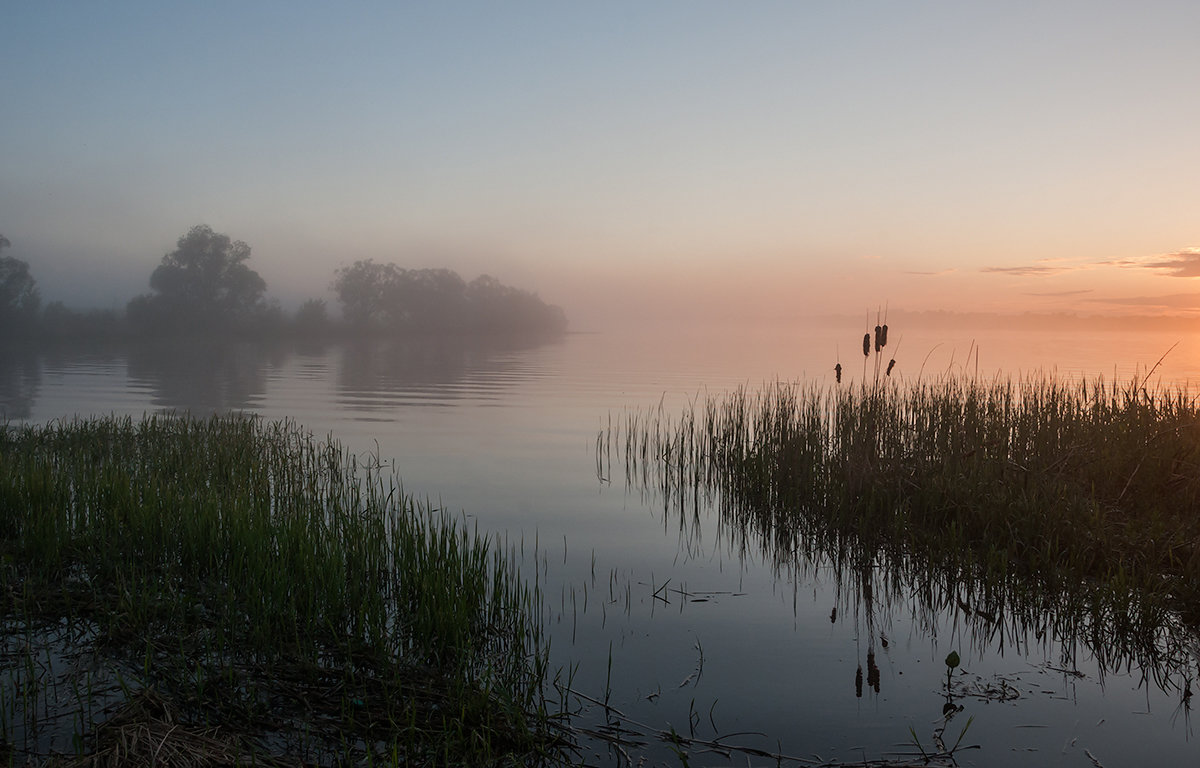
[238, 589]
[1034, 508]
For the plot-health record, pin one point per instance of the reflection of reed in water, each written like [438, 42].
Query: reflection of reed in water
[1030, 513]
[864, 611]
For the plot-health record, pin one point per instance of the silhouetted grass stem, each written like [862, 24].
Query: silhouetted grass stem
[1036, 485]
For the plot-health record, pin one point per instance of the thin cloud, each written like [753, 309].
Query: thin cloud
[1044, 267]
[1185, 263]
[1060, 293]
[938, 272]
[1026, 271]
[1168, 301]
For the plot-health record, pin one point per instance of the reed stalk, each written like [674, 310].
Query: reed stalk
[1066, 502]
[269, 584]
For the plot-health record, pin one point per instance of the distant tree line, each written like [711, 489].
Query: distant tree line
[385, 298]
[205, 288]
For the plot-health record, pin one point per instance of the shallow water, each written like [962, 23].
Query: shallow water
[680, 622]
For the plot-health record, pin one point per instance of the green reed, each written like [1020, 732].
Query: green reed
[273, 584]
[1034, 495]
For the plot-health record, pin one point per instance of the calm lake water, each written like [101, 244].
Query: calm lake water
[679, 621]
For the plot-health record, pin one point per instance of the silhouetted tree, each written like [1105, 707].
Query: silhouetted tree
[496, 305]
[428, 300]
[203, 285]
[362, 289]
[311, 318]
[384, 297]
[61, 322]
[19, 298]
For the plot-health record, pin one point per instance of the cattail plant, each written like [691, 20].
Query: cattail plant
[866, 353]
[1061, 507]
[891, 362]
[877, 343]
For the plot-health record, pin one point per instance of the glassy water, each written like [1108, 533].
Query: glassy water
[679, 621]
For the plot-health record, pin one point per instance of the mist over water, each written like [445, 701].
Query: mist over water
[690, 184]
[686, 622]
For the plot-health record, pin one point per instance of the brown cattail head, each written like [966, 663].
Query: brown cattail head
[891, 365]
[883, 336]
[878, 338]
[837, 370]
[866, 345]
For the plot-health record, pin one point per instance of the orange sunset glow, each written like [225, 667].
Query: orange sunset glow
[696, 162]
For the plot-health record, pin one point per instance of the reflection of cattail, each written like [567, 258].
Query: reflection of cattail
[891, 365]
[837, 369]
[866, 345]
[878, 338]
[858, 682]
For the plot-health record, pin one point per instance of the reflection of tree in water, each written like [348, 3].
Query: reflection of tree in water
[23, 368]
[20, 379]
[204, 376]
[391, 366]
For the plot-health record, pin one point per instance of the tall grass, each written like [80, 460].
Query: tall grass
[1035, 497]
[271, 584]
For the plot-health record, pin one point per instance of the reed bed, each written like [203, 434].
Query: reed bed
[1072, 508]
[284, 598]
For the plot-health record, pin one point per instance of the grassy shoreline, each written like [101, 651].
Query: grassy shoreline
[262, 594]
[1066, 507]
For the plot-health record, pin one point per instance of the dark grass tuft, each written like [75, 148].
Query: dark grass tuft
[275, 594]
[1075, 505]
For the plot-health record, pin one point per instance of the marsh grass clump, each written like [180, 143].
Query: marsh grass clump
[260, 583]
[1037, 495]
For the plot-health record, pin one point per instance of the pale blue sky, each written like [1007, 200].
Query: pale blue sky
[730, 158]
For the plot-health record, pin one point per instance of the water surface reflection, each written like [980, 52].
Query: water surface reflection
[205, 376]
[375, 375]
[1081, 632]
[20, 380]
[691, 614]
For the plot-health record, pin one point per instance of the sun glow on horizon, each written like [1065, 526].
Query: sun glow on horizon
[727, 162]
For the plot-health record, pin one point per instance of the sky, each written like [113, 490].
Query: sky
[630, 161]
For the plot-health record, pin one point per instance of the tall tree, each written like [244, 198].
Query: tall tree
[429, 300]
[495, 305]
[363, 290]
[204, 284]
[19, 298]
